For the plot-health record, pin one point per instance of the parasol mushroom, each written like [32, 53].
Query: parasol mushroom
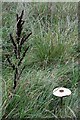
[61, 92]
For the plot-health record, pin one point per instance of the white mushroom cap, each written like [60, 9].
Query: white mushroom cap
[61, 92]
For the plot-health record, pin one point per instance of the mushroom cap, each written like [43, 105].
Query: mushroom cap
[61, 92]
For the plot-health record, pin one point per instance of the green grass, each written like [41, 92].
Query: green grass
[33, 97]
[51, 61]
[48, 49]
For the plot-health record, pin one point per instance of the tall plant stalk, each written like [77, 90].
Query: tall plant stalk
[18, 43]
